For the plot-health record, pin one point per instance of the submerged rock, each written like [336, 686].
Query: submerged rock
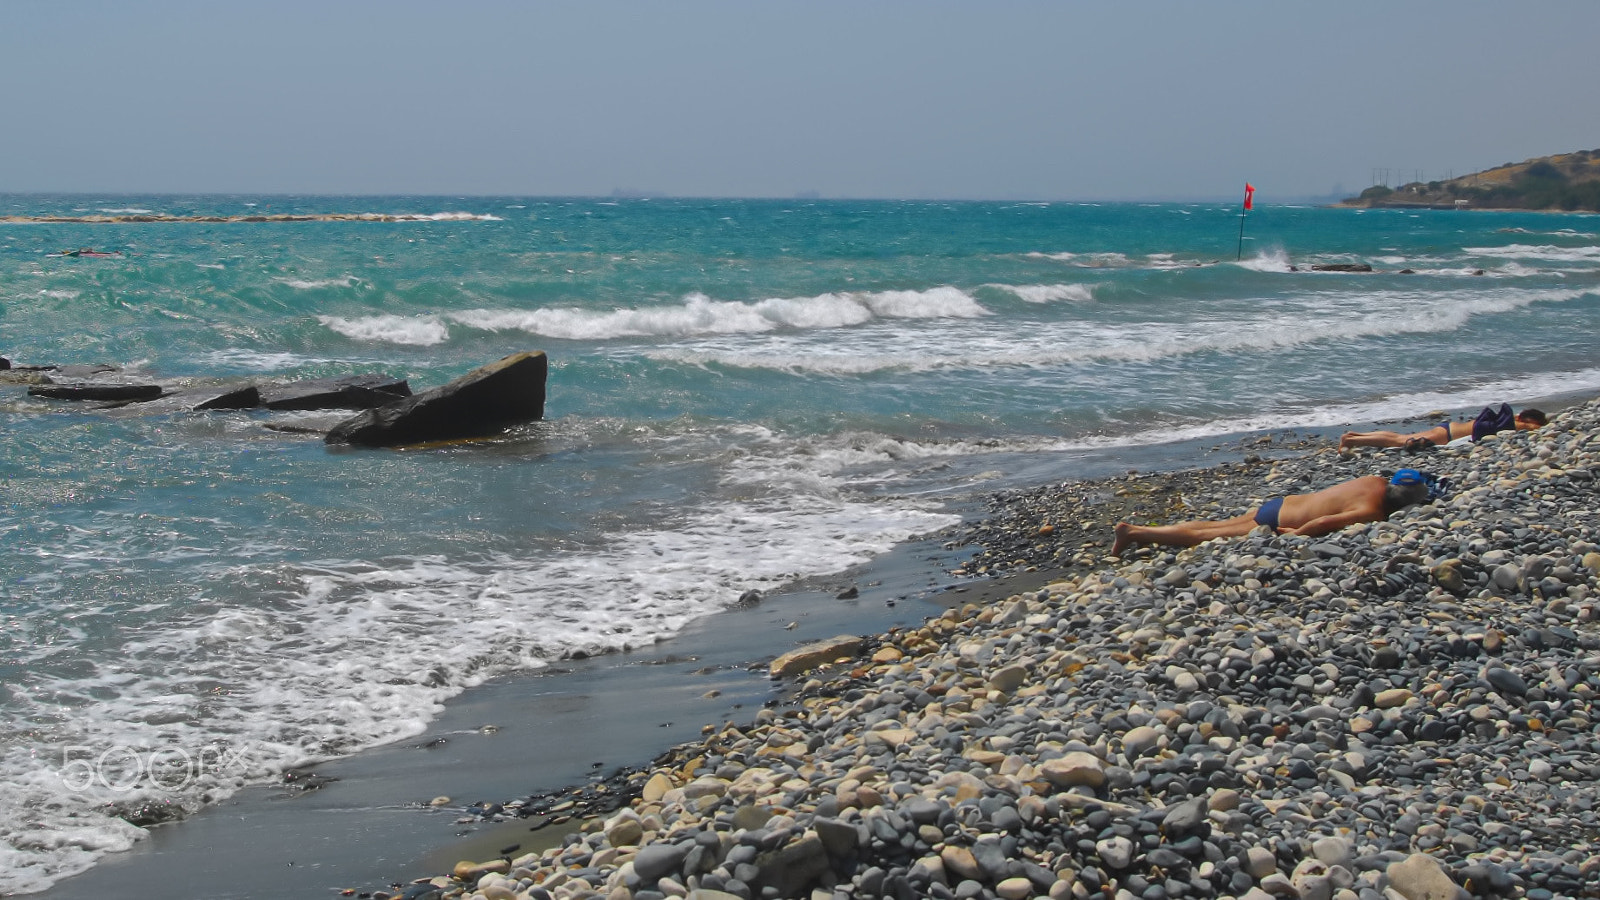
[247, 397]
[346, 392]
[109, 391]
[482, 402]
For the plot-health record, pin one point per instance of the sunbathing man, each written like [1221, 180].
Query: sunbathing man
[1371, 498]
[1443, 433]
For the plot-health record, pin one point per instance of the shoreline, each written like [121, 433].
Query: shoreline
[710, 787]
[392, 808]
[368, 822]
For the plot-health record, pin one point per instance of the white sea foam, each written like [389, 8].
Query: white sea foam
[1275, 259]
[127, 211]
[350, 654]
[457, 217]
[1539, 251]
[1048, 293]
[311, 284]
[1118, 260]
[419, 331]
[1406, 406]
[700, 315]
[1107, 260]
[427, 217]
[1518, 270]
[60, 294]
[1456, 272]
[1467, 397]
[1170, 261]
[257, 360]
[1400, 407]
[1559, 232]
[1339, 316]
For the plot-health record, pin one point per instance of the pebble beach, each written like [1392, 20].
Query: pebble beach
[1397, 710]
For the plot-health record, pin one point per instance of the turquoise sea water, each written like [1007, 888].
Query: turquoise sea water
[742, 393]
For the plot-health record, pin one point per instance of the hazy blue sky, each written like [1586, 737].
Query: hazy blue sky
[1059, 100]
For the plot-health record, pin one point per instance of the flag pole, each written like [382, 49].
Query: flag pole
[1249, 197]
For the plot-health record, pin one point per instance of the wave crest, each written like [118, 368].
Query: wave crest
[418, 331]
[1046, 293]
[701, 315]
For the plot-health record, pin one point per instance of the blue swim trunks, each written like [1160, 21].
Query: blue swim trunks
[1268, 513]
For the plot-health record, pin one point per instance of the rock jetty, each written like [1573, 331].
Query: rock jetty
[485, 401]
[1397, 711]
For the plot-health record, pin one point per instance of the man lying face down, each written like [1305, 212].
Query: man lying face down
[1371, 498]
[1528, 420]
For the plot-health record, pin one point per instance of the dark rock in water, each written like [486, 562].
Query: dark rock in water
[303, 781]
[145, 813]
[349, 392]
[203, 398]
[78, 371]
[481, 402]
[247, 397]
[1342, 267]
[4, 363]
[96, 391]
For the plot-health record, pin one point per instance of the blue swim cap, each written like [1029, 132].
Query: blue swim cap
[1437, 486]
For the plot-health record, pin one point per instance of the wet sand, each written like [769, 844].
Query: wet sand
[574, 723]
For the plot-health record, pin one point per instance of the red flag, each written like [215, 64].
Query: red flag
[1249, 194]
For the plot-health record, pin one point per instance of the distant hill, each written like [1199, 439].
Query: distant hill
[1566, 181]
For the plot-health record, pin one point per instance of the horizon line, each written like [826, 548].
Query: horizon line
[630, 194]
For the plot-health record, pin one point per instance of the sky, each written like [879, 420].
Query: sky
[1004, 99]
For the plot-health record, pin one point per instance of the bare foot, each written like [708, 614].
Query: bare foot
[1124, 540]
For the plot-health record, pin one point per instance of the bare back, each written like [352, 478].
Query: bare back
[1361, 499]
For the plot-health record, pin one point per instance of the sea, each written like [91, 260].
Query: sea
[742, 395]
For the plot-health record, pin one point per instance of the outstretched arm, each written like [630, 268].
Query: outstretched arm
[1328, 524]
